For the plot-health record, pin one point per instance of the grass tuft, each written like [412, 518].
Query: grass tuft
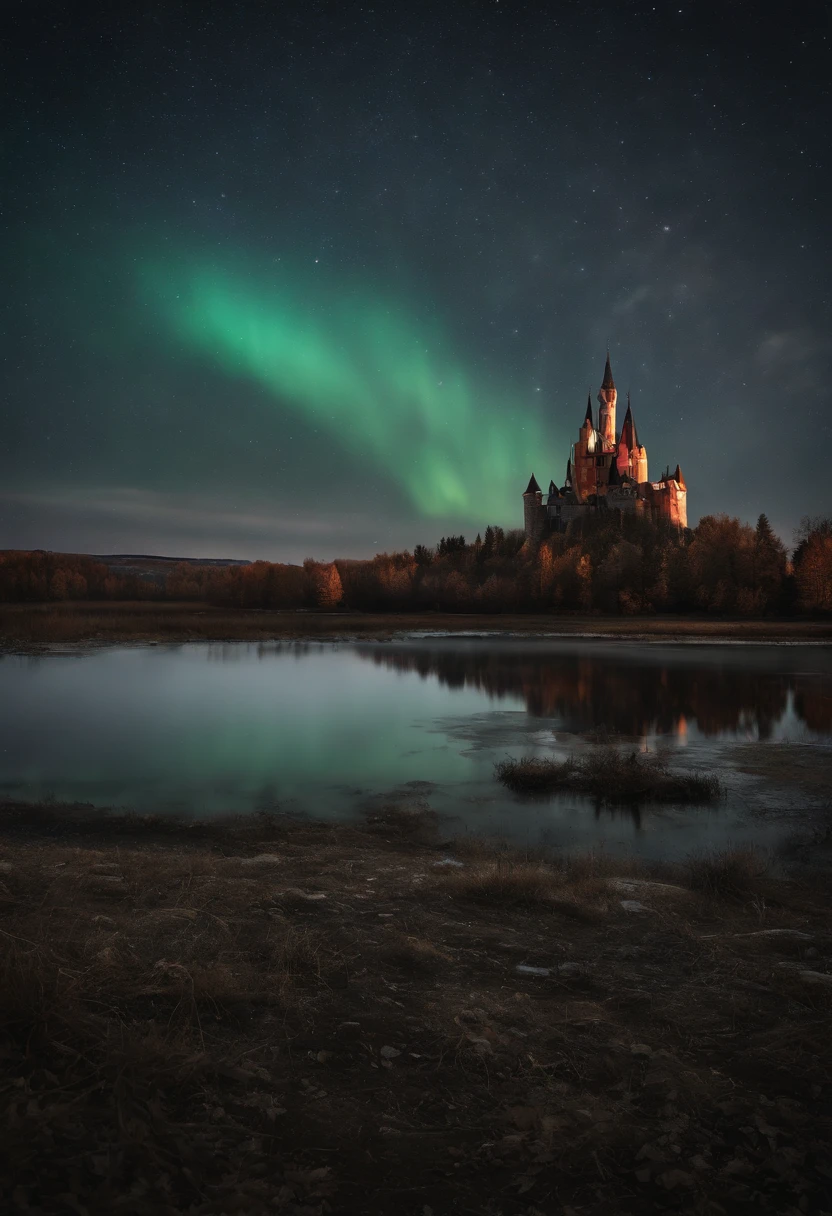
[609, 774]
[507, 882]
[503, 882]
[729, 872]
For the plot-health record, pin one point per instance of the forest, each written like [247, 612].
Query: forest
[604, 564]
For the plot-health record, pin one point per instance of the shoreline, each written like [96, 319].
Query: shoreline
[36, 626]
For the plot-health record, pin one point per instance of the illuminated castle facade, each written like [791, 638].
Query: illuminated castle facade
[606, 471]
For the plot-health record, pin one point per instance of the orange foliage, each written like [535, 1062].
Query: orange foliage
[609, 564]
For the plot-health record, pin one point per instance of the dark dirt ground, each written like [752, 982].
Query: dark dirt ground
[275, 1016]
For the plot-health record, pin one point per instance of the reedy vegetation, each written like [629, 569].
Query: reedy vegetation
[610, 776]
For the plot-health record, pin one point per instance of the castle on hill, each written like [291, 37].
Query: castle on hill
[606, 471]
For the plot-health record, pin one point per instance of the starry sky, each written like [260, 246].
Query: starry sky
[289, 280]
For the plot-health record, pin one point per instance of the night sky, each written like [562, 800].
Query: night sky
[289, 280]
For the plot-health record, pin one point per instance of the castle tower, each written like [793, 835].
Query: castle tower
[679, 499]
[631, 458]
[606, 471]
[607, 397]
[534, 513]
[640, 464]
[586, 435]
[585, 477]
[673, 500]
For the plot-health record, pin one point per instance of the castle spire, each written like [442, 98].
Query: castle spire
[629, 434]
[607, 397]
[588, 417]
[532, 487]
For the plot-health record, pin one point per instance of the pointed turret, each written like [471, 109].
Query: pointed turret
[677, 476]
[588, 415]
[631, 456]
[607, 396]
[568, 482]
[534, 512]
[627, 453]
[629, 434]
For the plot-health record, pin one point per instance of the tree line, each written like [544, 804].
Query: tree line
[614, 563]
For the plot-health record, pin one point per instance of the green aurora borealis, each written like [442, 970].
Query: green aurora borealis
[328, 280]
[381, 383]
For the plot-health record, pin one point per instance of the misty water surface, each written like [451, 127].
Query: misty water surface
[339, 730]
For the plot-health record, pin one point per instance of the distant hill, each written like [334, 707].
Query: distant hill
[124, 561]
[149, 567]
[153, 568]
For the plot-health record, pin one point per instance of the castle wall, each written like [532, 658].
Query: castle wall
[560, 515]
[585, 479]
[623, 498]
[591, 472]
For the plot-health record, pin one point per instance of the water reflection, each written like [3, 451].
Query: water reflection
[630, 691]
[334, 730]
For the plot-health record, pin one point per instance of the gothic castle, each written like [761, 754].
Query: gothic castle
[606, 470]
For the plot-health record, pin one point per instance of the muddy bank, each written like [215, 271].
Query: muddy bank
[802, 766]
[23, 625]
[269, 1015]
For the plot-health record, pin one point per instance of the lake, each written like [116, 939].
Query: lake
[335, 730]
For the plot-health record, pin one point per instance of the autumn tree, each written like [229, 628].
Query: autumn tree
[545, 572]
[324, 584]
[618, 579]
[813, 566]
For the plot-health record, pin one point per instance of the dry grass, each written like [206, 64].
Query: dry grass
[44, 624]
[181, 1032]
[727, 873]
[515, 883]
[503, 882]
[126, 986]
[412, 952]
[609, 775]
[164, 926]
[596, 864]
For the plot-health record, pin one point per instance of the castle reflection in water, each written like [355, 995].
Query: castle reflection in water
[745, 691]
